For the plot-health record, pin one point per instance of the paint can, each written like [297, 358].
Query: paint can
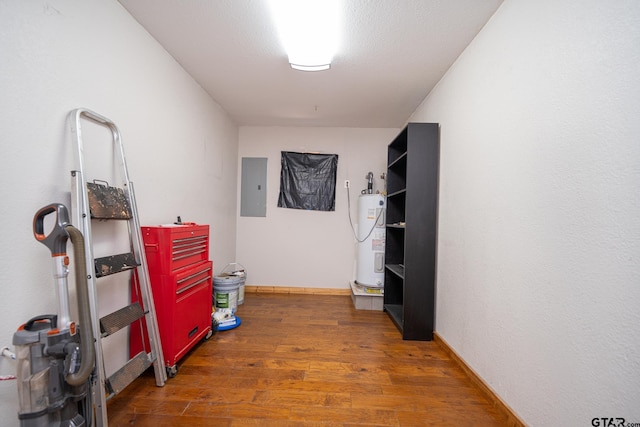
[235, 269]
[225, 292]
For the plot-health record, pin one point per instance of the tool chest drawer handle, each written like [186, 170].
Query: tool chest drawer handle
[191, 245]
[153, 246]
[190, 249]
[190, 254]
[184, 279]
[186, 288]
[187, 240]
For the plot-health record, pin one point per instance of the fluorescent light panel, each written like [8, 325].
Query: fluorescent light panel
[309, 30]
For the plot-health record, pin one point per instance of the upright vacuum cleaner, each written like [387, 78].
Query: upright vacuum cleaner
[56, 356]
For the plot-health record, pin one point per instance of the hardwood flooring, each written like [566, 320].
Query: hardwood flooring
[308, 360]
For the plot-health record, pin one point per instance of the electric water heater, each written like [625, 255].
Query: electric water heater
[371, 240]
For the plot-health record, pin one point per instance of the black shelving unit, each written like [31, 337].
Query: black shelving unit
[412, 213]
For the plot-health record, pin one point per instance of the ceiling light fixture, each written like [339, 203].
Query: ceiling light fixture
[309, 30]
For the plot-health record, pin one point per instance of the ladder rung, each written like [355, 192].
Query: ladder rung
[112, 323]
[129, 372]
[115, 264]
[107, 202]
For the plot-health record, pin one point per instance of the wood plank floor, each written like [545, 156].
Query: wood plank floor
[308, 360]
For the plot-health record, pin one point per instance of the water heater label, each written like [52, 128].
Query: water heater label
[377, 241]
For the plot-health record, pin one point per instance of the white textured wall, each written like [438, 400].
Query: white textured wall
[539, 227]
[181, 147]
[297, 248]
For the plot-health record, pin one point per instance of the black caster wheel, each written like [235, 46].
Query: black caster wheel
[172, 371]
[214, 327]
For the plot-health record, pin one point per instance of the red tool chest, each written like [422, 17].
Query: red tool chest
[181, 280]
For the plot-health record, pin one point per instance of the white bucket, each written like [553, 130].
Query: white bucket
[241, 293]
[238, 271]
[225, 292]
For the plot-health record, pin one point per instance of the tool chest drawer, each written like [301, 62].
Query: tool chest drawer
[195, 275]
[171, 247]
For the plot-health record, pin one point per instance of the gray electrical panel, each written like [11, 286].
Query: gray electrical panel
[253, 190]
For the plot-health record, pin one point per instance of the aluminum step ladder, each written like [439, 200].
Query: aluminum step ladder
[99, 201]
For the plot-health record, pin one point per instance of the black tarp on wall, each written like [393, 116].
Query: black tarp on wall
[308, 181]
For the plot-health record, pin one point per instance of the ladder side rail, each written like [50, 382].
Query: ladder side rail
[146, 292]
[143, 271]
[136, 234]
[117, 141]
[81, 218]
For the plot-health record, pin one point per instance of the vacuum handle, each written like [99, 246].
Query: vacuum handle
[52, 320]
[56, 240]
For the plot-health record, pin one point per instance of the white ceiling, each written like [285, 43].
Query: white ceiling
[392, 53]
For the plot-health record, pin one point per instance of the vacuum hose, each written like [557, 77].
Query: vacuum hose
[87, 349]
